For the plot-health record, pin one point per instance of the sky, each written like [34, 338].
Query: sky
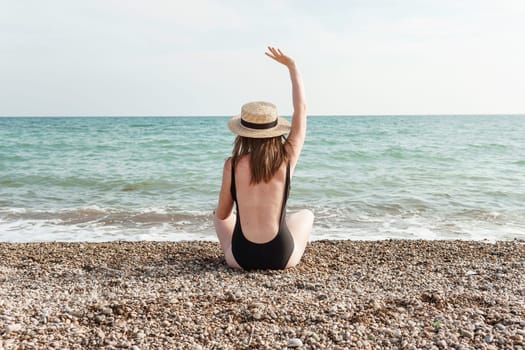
[206, 57]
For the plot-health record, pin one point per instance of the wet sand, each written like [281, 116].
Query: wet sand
[344, 294]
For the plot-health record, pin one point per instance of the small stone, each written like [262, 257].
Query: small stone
[257, 315]
[15, 327]
[375, 305]
[361, 329]
[67, 309]
[310, 286]
[294, 343]
[488, 338]
[499, 326]
[134, 347]
[100, 333]
[196, 347]
[442, 344]
[466, 333]
[140, 335]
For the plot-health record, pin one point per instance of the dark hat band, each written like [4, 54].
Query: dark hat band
[258, 126]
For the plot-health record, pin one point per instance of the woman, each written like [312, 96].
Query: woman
[257, 177]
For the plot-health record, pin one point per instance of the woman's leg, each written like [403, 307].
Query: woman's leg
[300, 226]
[224, 229]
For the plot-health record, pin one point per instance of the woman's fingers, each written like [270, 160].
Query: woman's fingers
[278, 55]
[274, 51]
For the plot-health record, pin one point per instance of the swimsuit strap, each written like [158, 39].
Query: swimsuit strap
[286, 192]
[233, 191]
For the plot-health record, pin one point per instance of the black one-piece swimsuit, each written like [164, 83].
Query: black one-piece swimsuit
[272, 255]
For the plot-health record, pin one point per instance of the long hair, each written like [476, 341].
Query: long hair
[266, 155]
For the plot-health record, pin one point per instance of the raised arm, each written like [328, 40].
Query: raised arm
[298, 132]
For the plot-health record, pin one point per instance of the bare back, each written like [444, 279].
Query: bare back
[259, 205]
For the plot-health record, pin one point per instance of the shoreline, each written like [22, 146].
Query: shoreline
[344, 294]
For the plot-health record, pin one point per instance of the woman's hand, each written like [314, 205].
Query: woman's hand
[280, 57]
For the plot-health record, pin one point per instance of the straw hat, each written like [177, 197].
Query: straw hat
[259, 120]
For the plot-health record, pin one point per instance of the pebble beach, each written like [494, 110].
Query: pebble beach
[391, 294]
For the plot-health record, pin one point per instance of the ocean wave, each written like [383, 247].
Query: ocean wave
[95, 182]
[105, 217]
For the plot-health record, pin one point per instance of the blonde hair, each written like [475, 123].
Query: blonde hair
[266, 155]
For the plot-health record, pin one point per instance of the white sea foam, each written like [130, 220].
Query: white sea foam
[201, 227]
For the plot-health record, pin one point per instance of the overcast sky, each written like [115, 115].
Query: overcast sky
[206, 57]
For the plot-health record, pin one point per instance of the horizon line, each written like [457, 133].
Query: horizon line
[284, 115]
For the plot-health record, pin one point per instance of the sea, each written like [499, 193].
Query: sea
[364, 177]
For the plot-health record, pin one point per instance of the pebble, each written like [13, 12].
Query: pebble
[518, 338]
[466, 333]
[488, 338]
[499, 326]
[361, 329]
[294, 343]
[100, 333]
[140, 335]
[441, 344]
[13, 328]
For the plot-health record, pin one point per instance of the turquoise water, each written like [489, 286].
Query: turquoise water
[370, 177]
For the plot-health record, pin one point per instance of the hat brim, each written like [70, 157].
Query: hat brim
[283, 127]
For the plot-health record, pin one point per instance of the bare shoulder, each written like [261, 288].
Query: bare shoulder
[227, 164]
[226, 170]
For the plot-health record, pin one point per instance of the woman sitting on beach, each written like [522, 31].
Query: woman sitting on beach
[257, 179]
